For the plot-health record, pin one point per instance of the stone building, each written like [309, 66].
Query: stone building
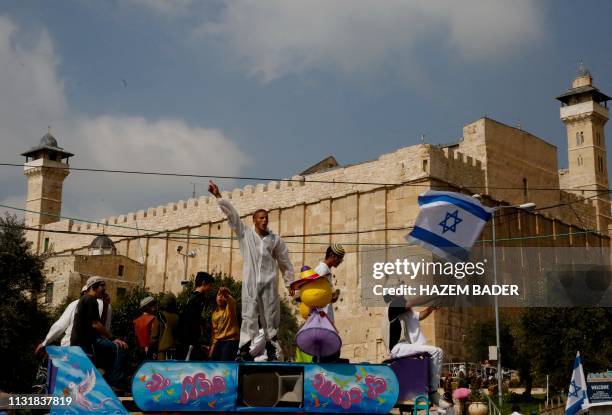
[584, 112]
[506, 164]
[66, 274]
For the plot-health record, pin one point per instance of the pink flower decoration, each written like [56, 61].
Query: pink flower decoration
[461, 393]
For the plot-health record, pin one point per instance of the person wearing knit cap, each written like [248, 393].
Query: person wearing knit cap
[263, 253]
[143, 324]
[334, 255]
[94, 338]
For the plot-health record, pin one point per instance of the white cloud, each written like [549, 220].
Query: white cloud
[166, 143]
[277, 38]
[138, 144]
[32, 92]
[33, 98]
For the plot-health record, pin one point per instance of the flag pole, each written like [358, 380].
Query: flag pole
[500, 376]
[496, 303]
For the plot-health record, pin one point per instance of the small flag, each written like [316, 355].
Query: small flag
[576, 396]
[448, 223]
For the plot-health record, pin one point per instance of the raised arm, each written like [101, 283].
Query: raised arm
[425, 313]
[233, 217]
[281, 253]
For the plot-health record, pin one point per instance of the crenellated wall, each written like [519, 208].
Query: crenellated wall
[311, 215]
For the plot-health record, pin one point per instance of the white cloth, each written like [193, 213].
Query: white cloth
[258, 345]
[323, 270]
[446, 408]
[411, 328]
[261, 257]
[63, 325]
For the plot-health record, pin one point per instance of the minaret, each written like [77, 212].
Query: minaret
[46, 172]
[584, 111]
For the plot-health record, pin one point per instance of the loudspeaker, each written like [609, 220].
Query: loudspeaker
[260, 389]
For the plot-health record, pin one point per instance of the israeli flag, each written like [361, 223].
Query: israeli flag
[448, 223]
[577, 394]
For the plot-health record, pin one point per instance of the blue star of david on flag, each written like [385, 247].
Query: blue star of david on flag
[574, 389]
[576, 394]
[456, 221]
[445, 238]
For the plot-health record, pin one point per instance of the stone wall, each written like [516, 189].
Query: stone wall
[310, 216]
[68, 273]
[510, 155]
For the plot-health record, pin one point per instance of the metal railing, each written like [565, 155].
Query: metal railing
[556, 406]
[493, 409]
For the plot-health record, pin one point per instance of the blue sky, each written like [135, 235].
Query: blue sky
[264, 88]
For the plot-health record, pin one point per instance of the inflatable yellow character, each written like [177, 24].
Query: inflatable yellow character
[315, 291]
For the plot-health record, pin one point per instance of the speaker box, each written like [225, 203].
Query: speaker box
[260, 389]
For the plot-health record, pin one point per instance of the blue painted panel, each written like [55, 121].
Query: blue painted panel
[342, 388]
[186, 386]
[79, 379]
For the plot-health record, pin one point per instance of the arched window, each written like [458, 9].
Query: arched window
[580, 160]
[577, 138]
[581, 137]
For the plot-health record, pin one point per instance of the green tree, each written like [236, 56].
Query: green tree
[544, 341]
[550, 338]
[24, 320]
[481, 335]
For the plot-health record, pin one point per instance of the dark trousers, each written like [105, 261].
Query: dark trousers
[225, 350]
[110, 357]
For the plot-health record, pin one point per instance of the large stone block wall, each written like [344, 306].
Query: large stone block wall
[509, 155]
[311, 215]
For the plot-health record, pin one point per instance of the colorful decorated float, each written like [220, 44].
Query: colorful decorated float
[255, 387]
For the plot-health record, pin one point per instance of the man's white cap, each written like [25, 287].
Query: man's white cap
[146, 301]
[92, 281]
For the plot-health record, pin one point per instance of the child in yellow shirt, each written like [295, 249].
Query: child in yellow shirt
[225, 329]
